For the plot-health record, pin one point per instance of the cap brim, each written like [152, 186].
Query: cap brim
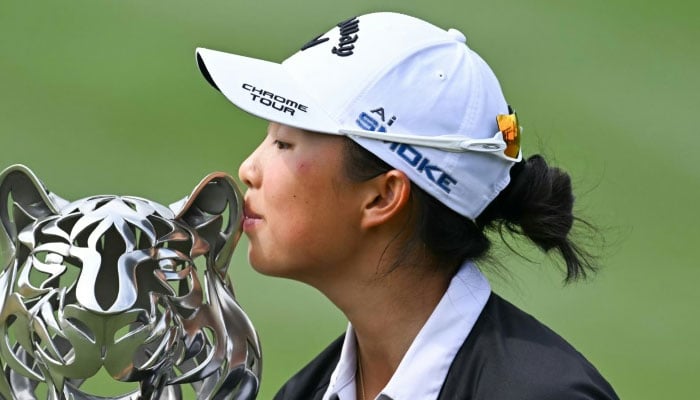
[264, 89]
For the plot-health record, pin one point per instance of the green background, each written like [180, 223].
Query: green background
[104, 97]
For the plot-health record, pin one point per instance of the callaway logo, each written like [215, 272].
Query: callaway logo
[377, 123]
[348, 30]
[273, 100]
[347, 38]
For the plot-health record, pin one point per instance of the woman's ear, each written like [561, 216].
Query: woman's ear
[390, 194]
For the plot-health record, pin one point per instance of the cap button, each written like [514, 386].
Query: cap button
[457, 35]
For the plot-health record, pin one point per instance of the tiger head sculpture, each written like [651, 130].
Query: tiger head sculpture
[123, 285]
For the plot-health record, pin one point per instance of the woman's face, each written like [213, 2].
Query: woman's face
[302, 214]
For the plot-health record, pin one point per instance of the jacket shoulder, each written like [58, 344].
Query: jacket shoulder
[511, 355]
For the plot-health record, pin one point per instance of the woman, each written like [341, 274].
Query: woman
[390, 152]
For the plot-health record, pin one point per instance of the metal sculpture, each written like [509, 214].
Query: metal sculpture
[109, 283]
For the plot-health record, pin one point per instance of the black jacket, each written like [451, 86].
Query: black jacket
[507, 355]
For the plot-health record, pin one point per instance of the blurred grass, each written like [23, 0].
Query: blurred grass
[104, 97]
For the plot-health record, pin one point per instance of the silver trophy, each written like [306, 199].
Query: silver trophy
[123, 285]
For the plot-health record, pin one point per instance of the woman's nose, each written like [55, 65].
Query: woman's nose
[248, 172]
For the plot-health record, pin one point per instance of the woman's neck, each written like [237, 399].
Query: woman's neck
[387, 310]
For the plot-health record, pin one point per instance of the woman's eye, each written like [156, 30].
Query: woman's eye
[282, 145]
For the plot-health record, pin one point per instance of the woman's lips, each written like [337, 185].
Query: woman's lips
[250, 219]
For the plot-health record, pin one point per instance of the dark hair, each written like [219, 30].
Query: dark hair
[537, 204]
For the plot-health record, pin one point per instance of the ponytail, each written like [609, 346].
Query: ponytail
[538, 204]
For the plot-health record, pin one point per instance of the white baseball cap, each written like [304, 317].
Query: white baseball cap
[411, 93]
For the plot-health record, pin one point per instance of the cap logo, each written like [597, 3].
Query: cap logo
[348, 30]
[273, 100]
[409, 154]
[313, 42]
[370, 123]
[423, 165]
